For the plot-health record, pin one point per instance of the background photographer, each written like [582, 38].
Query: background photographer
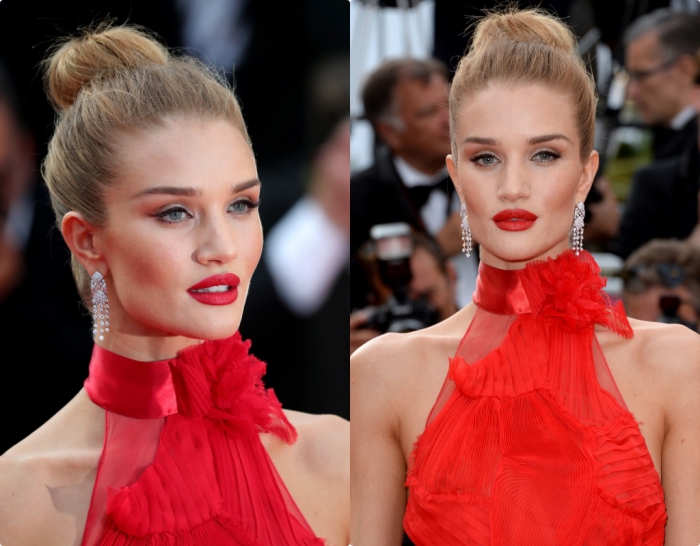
[667, 269]
[405, 100]
[432, 280]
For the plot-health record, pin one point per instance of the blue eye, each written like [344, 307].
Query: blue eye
[243, 206]
[173, 216]
[546, 156]
[485, 160]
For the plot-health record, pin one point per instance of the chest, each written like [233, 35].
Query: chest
[633, 382]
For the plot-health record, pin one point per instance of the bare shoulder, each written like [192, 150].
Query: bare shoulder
[46, 480]
[669, 348]
[21, 488]
[316, 471]
[323, 444]
[392, 360]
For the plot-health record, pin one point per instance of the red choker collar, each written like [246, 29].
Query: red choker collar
[568, 288]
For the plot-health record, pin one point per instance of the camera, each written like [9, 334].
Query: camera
[393, 248]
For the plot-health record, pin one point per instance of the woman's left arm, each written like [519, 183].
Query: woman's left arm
[680, 458]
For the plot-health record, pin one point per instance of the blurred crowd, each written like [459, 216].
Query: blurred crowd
[641, 214]
[289, 63]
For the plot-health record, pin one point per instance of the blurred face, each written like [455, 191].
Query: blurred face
[658, 85]
[16, 150]
[519, 171]
[431, 283]
[645, 306]
[183, 235]
[423, 111]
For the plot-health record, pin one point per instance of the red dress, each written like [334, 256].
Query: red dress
[530, 442]
[182, 463]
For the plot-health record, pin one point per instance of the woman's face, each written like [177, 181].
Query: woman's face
[519, 171]
[181, 214]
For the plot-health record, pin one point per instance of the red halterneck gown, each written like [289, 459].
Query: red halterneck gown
[530, 442]
[182, 462]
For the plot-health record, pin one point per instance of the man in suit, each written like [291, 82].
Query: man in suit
[663, 201]
[405, 100]
[659, 58]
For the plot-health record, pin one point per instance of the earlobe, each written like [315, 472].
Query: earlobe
[80, 238]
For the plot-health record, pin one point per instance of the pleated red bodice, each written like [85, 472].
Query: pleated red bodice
[182, 462]
[530, 442]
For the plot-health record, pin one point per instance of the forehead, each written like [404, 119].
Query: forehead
[515, 112]
[186, 152]
[644, 48]
[413, 92]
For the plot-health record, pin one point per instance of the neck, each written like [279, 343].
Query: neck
[427, 166]
[485, 256]
[145, 348]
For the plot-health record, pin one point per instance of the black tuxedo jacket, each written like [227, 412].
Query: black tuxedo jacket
[378, 196]
[663, 203]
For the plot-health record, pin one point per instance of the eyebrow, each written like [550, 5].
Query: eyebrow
[189, 191]
[487, 141]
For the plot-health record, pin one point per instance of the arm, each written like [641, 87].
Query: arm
[377, 464]
[680, 459]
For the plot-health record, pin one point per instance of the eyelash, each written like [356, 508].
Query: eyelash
[554, 156]
[162, 216]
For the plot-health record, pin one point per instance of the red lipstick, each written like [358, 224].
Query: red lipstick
[514, 219]
[216, 290]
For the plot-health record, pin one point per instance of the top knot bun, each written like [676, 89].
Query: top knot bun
[94, 54]
[527, 26]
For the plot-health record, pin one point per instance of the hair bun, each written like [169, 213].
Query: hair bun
[95, 53]
[524, 26]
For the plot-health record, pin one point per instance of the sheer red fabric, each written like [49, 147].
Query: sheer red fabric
[530, 442]
[182, 462]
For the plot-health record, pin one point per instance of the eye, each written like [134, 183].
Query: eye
[485, 160]
[546, 156]
[173, 215]
[243, 206]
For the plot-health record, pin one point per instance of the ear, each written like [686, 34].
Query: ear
[80, 238]
[686, 66]
[452, 170]
[590, 168]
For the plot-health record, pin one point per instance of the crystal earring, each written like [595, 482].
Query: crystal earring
[100, 305]
[466, 232]
[577, 229]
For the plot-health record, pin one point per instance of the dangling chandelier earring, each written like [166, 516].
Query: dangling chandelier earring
[577, 229]
[466, 232]
[100, 305]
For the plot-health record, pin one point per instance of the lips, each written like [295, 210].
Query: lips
[216, 290]
[514, 219]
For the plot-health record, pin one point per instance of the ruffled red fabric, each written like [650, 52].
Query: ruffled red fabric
[530, 442]
[183, 463]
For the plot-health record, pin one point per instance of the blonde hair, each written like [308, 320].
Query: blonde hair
[106, 83]
[529, 47]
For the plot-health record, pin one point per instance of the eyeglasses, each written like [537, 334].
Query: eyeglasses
[641, 75]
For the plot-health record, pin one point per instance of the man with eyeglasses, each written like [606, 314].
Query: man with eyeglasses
[660, 60]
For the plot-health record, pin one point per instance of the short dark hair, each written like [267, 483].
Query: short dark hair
[378, 90]
[678, 31]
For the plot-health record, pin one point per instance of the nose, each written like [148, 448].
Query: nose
[513, 183]
[216, 241]
[633, 90]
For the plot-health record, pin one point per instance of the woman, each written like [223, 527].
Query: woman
[173, 440]
[559, 420]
